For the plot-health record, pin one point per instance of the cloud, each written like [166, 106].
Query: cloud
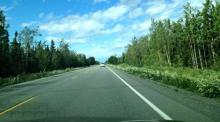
[113, 26]
[69, 40]
[56, 39]
[196, 3]
[100, 1]
[6, 8]
[27, 24]
[78, 25]
[131, 3]
[142, 26]
[137, 12]
[87, 24]
[156, 8]
[116, 29]
[111, 14]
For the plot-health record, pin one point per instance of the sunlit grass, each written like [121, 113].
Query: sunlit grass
[205, 82]
[27, 77]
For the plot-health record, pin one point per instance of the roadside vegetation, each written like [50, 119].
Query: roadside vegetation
[205, 82]
[31, 76]
[184, 53]
[25, 55]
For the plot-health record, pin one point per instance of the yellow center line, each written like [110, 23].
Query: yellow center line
[17, 105]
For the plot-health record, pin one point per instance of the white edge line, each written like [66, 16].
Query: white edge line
[154, 107]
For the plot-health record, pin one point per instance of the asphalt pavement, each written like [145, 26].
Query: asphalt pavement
[102, 94]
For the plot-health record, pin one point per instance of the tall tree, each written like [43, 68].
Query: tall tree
[91, 60]
[27, 37]
[4, 47]
[52, 54]
[16, 56]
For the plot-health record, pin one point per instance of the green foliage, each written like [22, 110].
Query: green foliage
[27, 55]
[4, 46]
[113, 60]
[205, 82]
[27, 77]
[91, 61]
[183, 53]
[192, 41]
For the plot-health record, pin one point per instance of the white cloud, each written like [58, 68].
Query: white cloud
[123, 20]
[54, 38]
[113, 13]
[156, 8]
[165, 15]
[137, 12]
[196, 3]
[131, 3]
[99, 1]
[161, 9]
[116, 29]
[6, 8]
[88, 24]
[27, 24]
[142, 26]
[70, 40]
[79, 25]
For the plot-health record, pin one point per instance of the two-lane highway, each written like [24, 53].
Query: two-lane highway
[94, 94]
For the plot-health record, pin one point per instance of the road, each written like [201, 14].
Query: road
[100, 94]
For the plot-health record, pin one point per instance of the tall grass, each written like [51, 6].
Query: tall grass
[205, 82]
[26, 77]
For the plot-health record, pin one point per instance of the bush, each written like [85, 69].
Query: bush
[205, 82]
[27, 77]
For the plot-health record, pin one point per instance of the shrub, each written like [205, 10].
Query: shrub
[205, 82]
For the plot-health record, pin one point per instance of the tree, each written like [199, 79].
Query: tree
[4, 47]
[27, 37]
[82, 60]
[26, 54]
[192, 41]
[16, 56]
[112, 60]
[91, 61]
[52, 54]
[42, 54]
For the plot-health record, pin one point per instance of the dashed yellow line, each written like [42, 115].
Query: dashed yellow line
[16, 106]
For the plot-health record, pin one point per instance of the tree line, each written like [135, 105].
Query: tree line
[191, 41]
[25, 54]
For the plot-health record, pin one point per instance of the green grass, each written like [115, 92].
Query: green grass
[27, 77]
[205, 82]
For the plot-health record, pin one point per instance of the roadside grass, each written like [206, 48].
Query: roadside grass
[205, 82]
[27, 77]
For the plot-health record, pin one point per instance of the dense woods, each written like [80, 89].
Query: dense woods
[184, 53]
[26, 54]
[192, 41]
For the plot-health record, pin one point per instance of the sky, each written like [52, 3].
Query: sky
[98, 28]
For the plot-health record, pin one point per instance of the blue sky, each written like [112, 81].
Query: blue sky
[97, 28]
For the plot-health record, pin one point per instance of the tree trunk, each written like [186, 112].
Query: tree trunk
[195, 56]
[213, 51]
[204, 55]
[192, 54]
[200, 58]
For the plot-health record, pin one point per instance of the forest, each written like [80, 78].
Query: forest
[25, 54]
[187, 48]
[192, 41]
